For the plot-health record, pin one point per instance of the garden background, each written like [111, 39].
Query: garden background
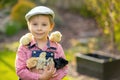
[86, 26]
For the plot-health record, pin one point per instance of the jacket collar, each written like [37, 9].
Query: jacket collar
[33, 43]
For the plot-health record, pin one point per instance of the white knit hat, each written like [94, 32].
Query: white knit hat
[39, 10]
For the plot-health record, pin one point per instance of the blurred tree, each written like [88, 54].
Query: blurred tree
[108, 17]
[19, 11]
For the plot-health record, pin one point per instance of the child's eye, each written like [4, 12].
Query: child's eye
[44, 24]
[35, 24]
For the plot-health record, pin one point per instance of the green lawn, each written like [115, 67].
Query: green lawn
[7, 69]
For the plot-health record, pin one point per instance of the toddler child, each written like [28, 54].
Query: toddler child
[40, 21]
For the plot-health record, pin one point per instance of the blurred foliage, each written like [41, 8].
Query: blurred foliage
[87, 45]
[58, 20]
[11, 46]
[108, 18]
[39, 2]
[106, 14]
[12, 28]
[83, 10]
[19, 11]
[7, 3]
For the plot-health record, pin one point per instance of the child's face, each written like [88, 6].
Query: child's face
[40, 26]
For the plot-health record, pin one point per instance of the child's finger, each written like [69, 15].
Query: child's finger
[54, 71]
[52, 68]
[46, 68]
[56, 74]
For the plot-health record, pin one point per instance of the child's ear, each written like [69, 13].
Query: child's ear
[52, 26]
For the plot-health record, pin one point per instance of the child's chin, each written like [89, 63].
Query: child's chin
[39, 37]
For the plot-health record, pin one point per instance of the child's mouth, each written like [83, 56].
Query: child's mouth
[39, 33]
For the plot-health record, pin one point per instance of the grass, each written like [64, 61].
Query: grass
[7, 69]
[70, 53]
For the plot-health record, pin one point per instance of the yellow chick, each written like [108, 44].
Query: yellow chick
[50, 62]
[55, 36]
[31, 62]
[26, 39]
[41, 61]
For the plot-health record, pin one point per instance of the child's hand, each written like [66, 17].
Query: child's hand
[37, 71]
[48, 73]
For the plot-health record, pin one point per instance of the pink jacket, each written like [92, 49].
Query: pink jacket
[24, 53]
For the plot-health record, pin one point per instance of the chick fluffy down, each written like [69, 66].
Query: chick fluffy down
[55, 36]
[26, 39]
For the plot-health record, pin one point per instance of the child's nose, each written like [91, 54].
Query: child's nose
[39, 28]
